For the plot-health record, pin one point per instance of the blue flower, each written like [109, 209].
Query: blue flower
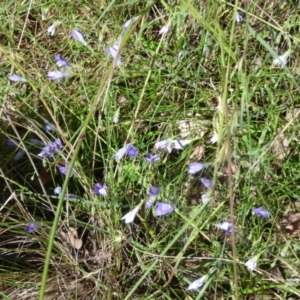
[195, 167]
[150, 202]
[132, 151]
[16, 78]
[163, 208]
[61, 61]
[64, 169]
[151, 158]
[113, 51]
[51, 149]
[31, 227]
[226, 227]
[55, 75]
[170, 144]
[11, 144]
[49, 126]
[153, 191]
[262, 212]
[78, 36]
[100, 189]
[19, 154]
[128, 150]
[206, 182]
[58, 189]
[239, 18]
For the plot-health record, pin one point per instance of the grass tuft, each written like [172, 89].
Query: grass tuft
[208, 80]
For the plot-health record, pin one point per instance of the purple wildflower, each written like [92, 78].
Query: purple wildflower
[11, 144]
[36, 142]
[58, 189]
[57, 143]
[78, 36]
[55, 75]
[239, 18]
[128, 150]
[113, 51]
[180, 144]
[100, 189]
[170, 144]
[164, 144]
[19, 154]
[226, 227]
[31, 227]
[16, 78]
[61, 61]
[132, 151]
[195, 167]
[149, 203]
[49, 126]
[206, 182]
[262, 212]
[163, 208]
[64, 169]
[51, 149]
[151, 158]
[153, 191]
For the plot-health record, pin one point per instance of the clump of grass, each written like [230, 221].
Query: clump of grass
[206, 80]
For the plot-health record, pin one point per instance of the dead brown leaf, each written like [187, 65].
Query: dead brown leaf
[197, 153]
[71, 238]
[190, 128]
[293, 224]
[280, 147]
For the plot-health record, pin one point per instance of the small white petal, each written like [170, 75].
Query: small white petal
[197, 283]
[281, 60]
[164, 29]
[130, 22]
[78, 36]
[205, 198]
[113, 52]
[224, 225]
[180, 144]
[56, 75]
[121, 152]
[51, 29]
[283, 253]
[239, 18]
[163, 144]
[129, 217]
[57, 190]
[16, 78]
[116, 117]
[251, 264]
[214, 138]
